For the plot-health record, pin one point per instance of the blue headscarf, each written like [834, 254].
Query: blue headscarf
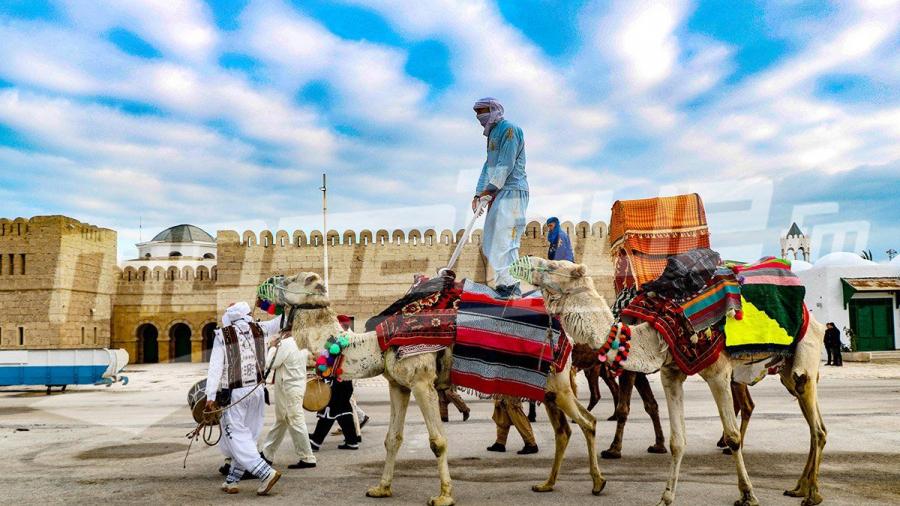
[554, 234]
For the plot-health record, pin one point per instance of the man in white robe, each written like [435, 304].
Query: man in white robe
[236, 364]
[288, 364]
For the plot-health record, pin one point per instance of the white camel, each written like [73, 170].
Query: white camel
[314, 322]
[586, 318]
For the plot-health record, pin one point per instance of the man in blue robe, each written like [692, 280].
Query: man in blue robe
[503, 178]
[560, 245]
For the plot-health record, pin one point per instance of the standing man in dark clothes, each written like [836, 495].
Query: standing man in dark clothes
[338, 410]
[833, 345]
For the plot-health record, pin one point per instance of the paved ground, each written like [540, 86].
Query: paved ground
[125, 444]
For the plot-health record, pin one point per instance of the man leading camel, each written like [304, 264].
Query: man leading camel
[502, 177]
[236, 370]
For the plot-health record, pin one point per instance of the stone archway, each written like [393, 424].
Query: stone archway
[209, 333]
[148, 344]
[180, 342]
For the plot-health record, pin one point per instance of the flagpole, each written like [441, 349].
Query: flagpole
[324, 189]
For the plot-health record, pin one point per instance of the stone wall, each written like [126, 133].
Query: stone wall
[168, 300]
[368, 271]
[56, 283]
[72, 295]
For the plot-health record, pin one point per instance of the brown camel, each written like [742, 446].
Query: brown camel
[586, 318]
[315, 321]
[585, 358]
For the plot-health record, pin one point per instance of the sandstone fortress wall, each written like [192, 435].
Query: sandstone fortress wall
[57, 279]
[71, 279]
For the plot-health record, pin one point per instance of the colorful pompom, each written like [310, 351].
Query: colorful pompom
[335, 349]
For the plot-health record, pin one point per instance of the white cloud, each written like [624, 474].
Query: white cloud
[179, 28]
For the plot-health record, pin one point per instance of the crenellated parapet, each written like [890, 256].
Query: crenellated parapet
[159, 274]
[399, 237]
[53, 225]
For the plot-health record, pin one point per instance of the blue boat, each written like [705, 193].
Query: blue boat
[59, 368]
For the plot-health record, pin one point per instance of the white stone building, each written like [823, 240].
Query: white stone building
[178, 246]
[855, 294]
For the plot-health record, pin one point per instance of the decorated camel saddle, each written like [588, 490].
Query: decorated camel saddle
[492, 347]
[665, 274]
[702, 306]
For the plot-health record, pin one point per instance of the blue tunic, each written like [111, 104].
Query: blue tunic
[562, 250]
[504, 172]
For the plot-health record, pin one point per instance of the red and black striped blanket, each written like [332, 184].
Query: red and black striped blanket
[504, 347]
[500, 347]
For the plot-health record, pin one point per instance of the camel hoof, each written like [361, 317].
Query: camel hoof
[748, 499]
[441, 500]
[797, 492]
[727, 451]
[599, 486]
[612, 418]
[379, 492]
[660, 449]
[611, 454]
[543, 487]
[812, 501]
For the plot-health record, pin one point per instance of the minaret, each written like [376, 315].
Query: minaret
[795, 245]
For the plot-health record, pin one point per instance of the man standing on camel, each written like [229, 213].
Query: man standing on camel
[503, 178]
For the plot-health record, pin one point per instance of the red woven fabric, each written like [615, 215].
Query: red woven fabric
[430, 320]
[664, 316]
[502, 347]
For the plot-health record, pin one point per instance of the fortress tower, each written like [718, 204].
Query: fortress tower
[795, 245]
[56, 283]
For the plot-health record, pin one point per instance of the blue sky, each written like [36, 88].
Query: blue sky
[226, 113]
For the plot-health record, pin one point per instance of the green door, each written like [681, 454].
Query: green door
[872, 321]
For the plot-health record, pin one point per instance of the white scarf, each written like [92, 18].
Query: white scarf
[491, 118]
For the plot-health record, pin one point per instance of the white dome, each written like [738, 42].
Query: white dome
[800, 266]
[842, 259]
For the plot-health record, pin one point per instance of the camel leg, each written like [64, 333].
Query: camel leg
[426, 398]
[807, 486]
[593, 380]
[574, 410]
[743, 405]
[673, 384]
[652, 408]
[610, 379]
[562, 433]
[393, 439]
[719, 381]
[626, 385]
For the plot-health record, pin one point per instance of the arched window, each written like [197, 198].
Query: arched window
[146, 255]
[175, 254]
[209, 256]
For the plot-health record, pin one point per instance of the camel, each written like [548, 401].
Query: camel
[586, 317]
[314, 321]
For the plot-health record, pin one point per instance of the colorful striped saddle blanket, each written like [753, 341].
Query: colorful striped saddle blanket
[774, 315]
[500, 347]
[751, 311]
[506, 347]
[692, 352]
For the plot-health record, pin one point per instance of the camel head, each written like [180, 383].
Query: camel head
[553, 277]
[305, 289]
